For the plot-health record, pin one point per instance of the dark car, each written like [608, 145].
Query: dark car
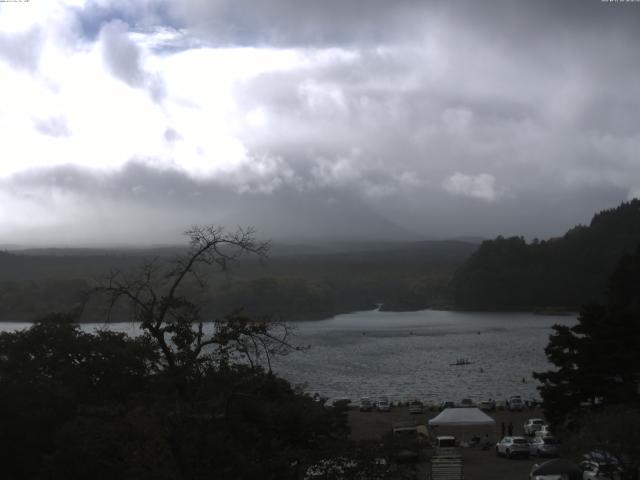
[555, 469]
[415, 406]
[447, 404]
[366, 405]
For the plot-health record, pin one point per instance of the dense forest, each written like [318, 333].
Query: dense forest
[559, 273]
[292, 283]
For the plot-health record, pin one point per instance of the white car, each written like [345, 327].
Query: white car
[383, 405]
[515, 404]
[532, 425]
[544, 447]
[513, 447]
[446, 446]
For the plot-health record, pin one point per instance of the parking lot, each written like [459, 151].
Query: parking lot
[478, 464]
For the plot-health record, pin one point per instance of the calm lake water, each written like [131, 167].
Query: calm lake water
[400, 354]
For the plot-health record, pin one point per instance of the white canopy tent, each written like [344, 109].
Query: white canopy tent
[462, 417]
[463, 422]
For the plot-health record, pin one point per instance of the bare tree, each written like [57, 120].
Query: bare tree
[156, 295]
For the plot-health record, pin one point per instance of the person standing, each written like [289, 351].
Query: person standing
[510, 428]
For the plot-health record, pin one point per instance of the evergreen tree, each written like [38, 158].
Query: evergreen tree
[598, 359]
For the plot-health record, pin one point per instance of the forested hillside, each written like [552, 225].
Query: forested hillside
[559, 273]
[289, 284]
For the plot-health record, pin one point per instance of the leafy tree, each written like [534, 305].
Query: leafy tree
[49, 371]
[187, 399]
[598, 359]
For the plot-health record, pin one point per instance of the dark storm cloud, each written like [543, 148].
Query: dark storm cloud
[509, 96]
[140, 203]
[404, 118]
[339, 22]
[123, 58]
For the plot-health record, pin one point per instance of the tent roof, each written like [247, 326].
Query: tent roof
[462, 417]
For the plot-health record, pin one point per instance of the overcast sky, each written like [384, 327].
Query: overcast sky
[128, 121]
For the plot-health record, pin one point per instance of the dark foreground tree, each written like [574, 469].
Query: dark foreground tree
[614, 432]
[598, 359]
[49, 373]
[187, 399]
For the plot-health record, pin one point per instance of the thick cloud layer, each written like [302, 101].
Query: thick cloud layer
[336, 119]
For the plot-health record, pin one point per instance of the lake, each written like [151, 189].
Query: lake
[401, 354]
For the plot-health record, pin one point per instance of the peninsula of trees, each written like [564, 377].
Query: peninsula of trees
[556, 274]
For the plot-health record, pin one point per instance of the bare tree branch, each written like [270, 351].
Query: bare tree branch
[174, 322]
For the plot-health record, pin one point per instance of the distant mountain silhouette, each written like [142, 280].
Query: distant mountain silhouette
[564, 272]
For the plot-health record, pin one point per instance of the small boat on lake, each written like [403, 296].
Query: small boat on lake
[460, 362]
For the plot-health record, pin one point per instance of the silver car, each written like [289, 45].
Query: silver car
[544, 447]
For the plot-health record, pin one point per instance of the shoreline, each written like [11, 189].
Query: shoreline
[551, 312]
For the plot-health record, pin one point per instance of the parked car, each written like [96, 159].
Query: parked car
[513, 447]
[366, 405]
[466, 403]
[557, 469]
[515, 403]
[446, 446]
[487, 405]
[406, 442]
[415, 406]
[544, 446]
[431, 405]
[338, 402]
[383, 405]
[500, 405]
[532, 403]
[532, 425]
[600, 465]
[447, 404]
[544, 431]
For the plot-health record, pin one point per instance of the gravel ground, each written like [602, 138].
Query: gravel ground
[478, 464]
